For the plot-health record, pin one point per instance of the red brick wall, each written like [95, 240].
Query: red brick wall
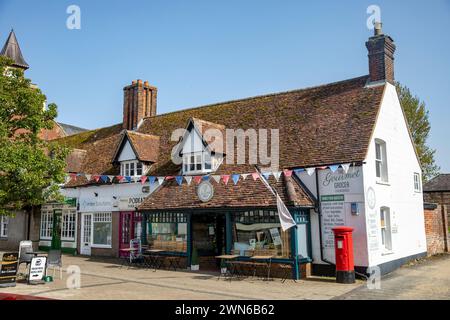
[442, 198]
[436, 229]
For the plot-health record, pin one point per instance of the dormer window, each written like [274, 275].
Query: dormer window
[198, 162]
[131, 168]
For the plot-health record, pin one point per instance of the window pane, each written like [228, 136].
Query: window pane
[102, 233]
[131, 169]
[378, 168]
[378, 151]
[139, 169]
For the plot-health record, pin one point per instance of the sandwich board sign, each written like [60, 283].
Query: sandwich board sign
[8, 268]
[37, 270]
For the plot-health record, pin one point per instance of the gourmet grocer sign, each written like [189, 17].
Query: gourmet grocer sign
[341, 182]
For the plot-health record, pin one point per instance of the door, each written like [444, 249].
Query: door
[126, 229]
[56, 232]
[86, 234]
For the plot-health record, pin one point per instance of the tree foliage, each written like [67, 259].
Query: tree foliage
[30, 168]
[417, 117]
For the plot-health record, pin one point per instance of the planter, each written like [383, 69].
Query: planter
[195, 267]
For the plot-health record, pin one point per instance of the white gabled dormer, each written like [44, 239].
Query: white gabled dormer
[197, 156]
[135, 153]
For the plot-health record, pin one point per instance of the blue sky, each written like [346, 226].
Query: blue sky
[200, 52]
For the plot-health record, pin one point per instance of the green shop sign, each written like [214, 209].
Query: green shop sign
[70, 201]
[332, 197]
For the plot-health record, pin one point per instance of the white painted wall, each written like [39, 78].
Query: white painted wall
[406, 205]
[127, 153]
[193, 143]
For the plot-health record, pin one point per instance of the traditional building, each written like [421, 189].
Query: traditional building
[346, 157]
[437, 191]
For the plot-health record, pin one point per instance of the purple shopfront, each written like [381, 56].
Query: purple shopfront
[130, 222]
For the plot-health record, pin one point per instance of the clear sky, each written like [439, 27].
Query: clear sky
[200, 52]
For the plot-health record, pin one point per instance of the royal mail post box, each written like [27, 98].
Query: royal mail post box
[343, 246]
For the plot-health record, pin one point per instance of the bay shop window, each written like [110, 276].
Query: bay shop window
[167, 231]
[258, 232]
[101, 229]
[68, 227]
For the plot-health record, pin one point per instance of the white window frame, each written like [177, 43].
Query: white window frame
[46, 230]
[4, 224]
[69, 225]
[203, 162]
[132, 166]
[101, 217]
[385, 228]
[417, 182]
[381, 168]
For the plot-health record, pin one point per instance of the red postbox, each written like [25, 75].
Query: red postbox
[343, 247]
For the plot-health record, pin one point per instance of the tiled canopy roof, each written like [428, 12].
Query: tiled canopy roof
[438, 183]
[322, 125]
[145, 146]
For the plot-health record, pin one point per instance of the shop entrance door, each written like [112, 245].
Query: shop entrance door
[126, 229]
[86, 234]
[56, 232]
[208, 237]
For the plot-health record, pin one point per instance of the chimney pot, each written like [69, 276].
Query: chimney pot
[138, 102]
[378, 28]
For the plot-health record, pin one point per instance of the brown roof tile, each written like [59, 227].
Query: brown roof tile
[146, 146]
[438, 183]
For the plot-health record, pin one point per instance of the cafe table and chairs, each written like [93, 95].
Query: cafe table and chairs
[127, 255]
[153, 258]
[263, 260]
[227, 260]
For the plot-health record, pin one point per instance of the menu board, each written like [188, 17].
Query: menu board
[8, 268]
[38, 267]
[333, 215]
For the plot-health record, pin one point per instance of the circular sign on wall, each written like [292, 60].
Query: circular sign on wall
[371, 199]
[205, 191]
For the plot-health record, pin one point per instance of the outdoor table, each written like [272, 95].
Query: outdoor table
[267, 259]
[153, 257]
[230, 267]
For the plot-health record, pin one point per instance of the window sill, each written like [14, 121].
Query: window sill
[387, 253]
[101, 246]
[3, 238]
[383, 183]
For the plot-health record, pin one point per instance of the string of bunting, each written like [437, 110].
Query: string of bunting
[225, 178]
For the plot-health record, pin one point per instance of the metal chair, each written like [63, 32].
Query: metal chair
[54, 260]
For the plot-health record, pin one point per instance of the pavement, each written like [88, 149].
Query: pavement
[105, 279]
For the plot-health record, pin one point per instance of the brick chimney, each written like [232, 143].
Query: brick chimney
[139, 101]
[381, 56]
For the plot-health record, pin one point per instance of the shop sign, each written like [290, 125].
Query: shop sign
[70, 201]
[130, 203]
[96, 204]
[8, 268]
[37, 270]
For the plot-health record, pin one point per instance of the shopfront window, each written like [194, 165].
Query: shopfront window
[167, 231]
[46, 224]
[4, 221]
[68, 224]
[102, 226]
[258, 232]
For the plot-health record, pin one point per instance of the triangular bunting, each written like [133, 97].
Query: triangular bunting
[160, 180]
[310, 171]
[152, 180]
[206, 178]
[255, 176]
[170, 177]
[197, 179]
[235, 178]
[188, 180]
[287, 173]
[297, 171]
[216, 178]
[333, 168]
[73, 176]
[179, 180]
[245, 175]
[88, 177]
[266, 175]
[277, 175]
[143, 179]
[104, 178]
[225, 178]
[345, 166]
[128, 178]
[97, 178]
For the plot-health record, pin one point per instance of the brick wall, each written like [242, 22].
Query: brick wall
[436, 228]
[441, 198]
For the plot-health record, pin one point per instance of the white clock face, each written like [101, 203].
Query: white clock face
[205, 191]
[371, 200]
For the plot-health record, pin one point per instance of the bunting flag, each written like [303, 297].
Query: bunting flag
[235, 178]
[169, 177]
[128, 178]
[333, 168]
[143, 179]
[245, 175]
[88, 177]
[286, 219]
[225, 178]
[152, 180]
[160, 180]
[345, 166]
[179, 180]
[104, 178]
[206, 178]
[216, 178]
[287, 173]
[96, 178]
[119, 178]
[297, 171]
[188, 180]
[197, 179]
[266, 175]
[310, 171]
[111, 178]
[255, 176]
[73, 176]
[277, 175]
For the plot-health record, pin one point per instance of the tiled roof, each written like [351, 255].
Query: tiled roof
[322, 125]
[12, 50]
[75, 160]
[71, 130]
[438, 183]
[146, 146]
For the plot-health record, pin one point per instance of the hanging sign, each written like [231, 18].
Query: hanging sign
[8, 268]
[38, 266]
[205, 191]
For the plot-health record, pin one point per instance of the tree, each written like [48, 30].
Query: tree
[30, 168]
[419, 125]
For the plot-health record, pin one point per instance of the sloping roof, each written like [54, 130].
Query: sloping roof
[71, 130]
[75, 160]
[12, 50]
[438, 183]
[247, 193]
[145, 146]
[322, 125]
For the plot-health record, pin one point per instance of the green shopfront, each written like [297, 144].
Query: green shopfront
[244, 232]
[58, 229]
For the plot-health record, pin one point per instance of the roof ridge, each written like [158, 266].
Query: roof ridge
[258, 96]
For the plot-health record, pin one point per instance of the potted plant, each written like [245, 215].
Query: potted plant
[194, 260]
